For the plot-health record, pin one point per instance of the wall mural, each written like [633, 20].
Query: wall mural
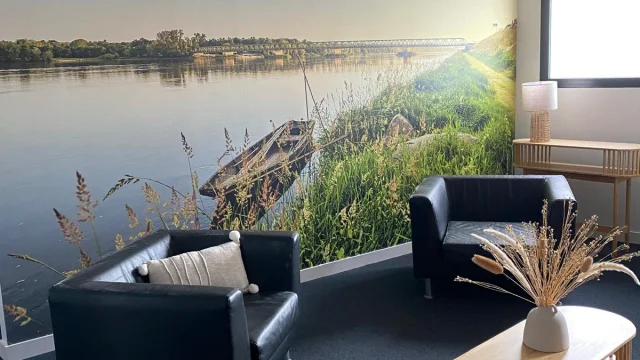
[323, 123]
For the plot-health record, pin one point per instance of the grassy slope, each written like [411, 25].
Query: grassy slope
[504, 86]
[502, 41]
[498, 51]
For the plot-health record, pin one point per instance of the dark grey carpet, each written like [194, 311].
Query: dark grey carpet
[377, 312]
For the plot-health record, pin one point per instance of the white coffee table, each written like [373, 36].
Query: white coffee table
[594, 335]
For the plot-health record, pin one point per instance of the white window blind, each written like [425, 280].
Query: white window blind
[594, 39]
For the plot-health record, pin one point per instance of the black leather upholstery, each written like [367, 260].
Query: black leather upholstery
[445, 210]
[511, 199]
[109, 311]
[458, 246]
[268, 333]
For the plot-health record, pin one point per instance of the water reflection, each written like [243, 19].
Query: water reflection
[180, 73]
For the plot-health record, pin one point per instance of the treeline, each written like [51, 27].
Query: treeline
[167, 44]
[170, 43]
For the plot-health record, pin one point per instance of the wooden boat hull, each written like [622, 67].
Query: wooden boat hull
[289, 146]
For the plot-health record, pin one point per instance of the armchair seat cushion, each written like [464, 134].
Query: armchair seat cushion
[459, 246]
[270, 320]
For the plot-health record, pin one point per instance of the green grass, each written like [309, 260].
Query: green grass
[358, 201]
[500, 61]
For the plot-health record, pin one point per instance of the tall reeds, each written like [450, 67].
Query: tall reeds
[74, 235]
[85, 208]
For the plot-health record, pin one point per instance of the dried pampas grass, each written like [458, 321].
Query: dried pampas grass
[505, 261]
[588, 261]
[597, 269]
[547, 268]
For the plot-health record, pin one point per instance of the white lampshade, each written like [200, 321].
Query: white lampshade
[540, 96]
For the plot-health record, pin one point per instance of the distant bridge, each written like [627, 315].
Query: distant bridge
[330, 45]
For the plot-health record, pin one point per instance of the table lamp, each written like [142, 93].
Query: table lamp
[538, 98]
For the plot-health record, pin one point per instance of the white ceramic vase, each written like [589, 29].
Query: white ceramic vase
[546, 330]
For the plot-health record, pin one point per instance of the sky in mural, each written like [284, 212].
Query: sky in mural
[124, 20]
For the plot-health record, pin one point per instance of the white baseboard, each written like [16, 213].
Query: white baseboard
[336, 267]
[27, 349]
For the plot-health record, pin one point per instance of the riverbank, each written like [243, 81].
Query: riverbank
[104, 59]
[248, 56]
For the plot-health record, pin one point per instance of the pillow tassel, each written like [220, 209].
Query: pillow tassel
[143, 269]
[235, 236]
[252, 288]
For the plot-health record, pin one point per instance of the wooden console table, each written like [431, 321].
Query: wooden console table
[620, 163]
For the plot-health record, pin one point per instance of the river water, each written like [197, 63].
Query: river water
[107, 120]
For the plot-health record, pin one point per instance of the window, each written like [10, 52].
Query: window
[590, 43]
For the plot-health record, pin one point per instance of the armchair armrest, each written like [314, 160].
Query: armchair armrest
[429, 210]
[272, 259]
[558, 194]
[106, 320]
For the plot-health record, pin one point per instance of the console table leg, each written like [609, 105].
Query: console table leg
[624, 353]
[627, 214]
[615, 216]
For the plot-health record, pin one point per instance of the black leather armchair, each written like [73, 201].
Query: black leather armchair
[109, 311]
[446, 210]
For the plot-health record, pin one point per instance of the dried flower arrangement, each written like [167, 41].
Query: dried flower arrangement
[548, 269]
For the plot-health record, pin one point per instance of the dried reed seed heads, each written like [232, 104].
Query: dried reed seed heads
[490, 265]
[19, 313]
[119, 242]
[588, 261]
[133, 219]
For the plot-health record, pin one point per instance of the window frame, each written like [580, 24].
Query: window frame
[545, 38]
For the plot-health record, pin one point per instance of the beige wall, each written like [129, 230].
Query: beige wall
[584, 114]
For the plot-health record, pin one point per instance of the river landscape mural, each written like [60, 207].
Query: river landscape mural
[104, 139]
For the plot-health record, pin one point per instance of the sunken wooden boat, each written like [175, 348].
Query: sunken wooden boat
[277, 157]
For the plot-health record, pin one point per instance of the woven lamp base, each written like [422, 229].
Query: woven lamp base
[540, 127]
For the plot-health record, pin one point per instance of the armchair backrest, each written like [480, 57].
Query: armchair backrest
[271, 259]
[495, 198]
[183, 241]
[122, 266]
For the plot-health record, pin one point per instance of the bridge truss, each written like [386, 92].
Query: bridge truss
[329, 45]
